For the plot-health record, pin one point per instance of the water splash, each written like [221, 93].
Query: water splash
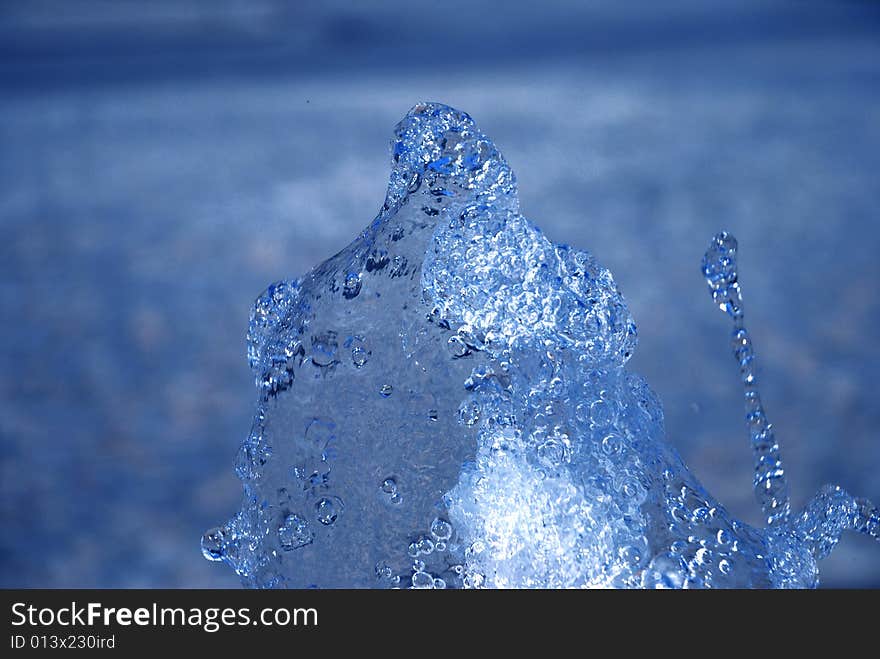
[446, 404]
[832, 510]
[771, 488]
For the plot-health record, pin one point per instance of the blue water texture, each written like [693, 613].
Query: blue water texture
[161, 163]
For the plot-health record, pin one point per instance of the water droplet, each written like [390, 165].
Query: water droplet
[724, 566]
[441, 529]
[386, 390]
[295, 532]
[328, 509]
[719, 262]
[352, 285]
[439, 583]
[213, 543]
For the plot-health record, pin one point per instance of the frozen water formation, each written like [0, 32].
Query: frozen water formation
[445, 403]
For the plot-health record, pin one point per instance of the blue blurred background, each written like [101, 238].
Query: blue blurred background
[162, 162]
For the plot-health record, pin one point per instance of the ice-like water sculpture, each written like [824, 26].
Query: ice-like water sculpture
[444, 403]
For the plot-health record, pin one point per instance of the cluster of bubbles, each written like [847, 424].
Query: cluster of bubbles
[573, 484]
[445, 404]
[290, 522]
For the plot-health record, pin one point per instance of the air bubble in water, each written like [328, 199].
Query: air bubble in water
[441, 529]
[359, 356]
[389, 487]
[295, 532]
[612, 444]
[425, 545]
[360, 353]
[327, 509]
[602, 413]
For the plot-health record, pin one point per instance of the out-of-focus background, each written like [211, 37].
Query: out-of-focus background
[162, 162]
